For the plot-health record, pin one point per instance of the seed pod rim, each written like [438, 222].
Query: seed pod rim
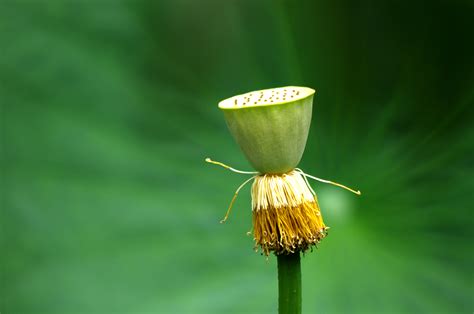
[227, 104]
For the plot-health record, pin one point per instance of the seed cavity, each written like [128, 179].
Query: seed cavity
[266, 97]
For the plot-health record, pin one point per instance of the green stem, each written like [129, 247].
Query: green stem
[289, 283]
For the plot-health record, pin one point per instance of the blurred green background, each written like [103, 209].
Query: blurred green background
[110, 107]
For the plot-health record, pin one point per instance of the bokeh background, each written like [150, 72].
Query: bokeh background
[110, 107]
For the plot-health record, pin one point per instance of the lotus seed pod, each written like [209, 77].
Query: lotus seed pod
[271, 126]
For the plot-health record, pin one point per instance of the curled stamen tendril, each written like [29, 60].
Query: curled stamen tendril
[209, 160]
[234, 198]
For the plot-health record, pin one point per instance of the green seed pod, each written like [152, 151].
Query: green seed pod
[271, 126]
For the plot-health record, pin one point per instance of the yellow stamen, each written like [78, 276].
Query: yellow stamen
[285, 213]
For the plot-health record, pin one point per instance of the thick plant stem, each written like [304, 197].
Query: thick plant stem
[289, 283]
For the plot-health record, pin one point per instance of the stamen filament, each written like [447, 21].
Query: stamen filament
[306, 181]
[330, 182]
[234, 198]
[209, 160]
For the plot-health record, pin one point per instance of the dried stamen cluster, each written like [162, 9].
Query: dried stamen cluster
[286, 214]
